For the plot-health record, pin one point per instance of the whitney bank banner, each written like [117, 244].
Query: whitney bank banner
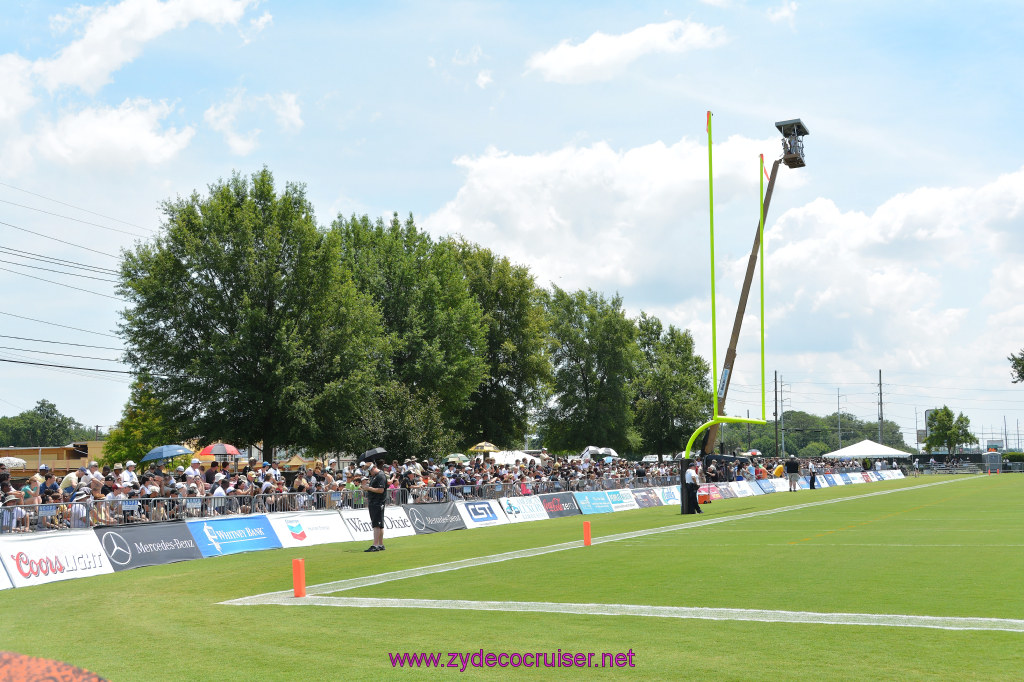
[38, 559]
[233, 534]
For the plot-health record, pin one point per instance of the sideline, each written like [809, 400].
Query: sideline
[284, 597]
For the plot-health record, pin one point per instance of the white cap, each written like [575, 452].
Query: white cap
[218, 478]
[195, 460]
[129, 463]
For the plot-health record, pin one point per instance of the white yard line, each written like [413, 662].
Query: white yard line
[758, 615]
[285, 596]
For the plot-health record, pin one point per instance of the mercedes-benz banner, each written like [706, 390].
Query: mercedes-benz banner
[434, 517]
[147, 544]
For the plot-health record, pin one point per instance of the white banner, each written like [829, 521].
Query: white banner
[38, 559]
[309, 528]
[622, 499]
[525, 508]
[5, 582]
[781, 484]
[669, 495]
[396, 523]
[740, 488]
[477, 513]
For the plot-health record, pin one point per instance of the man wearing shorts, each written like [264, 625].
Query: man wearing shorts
[375, 490]
[793, 472]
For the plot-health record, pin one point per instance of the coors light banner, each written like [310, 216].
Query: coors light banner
[34, 559]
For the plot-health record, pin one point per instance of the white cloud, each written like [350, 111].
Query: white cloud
[222, 118]
[286, 107]
[472, 57]
[786, 12]
[16, 76]
[122, 135]
[115, 34]
[483, 79]
[256, 26]
[602, 56]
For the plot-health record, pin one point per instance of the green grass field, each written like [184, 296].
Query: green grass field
[948, 550]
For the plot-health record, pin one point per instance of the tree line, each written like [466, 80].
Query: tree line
[42, 426]
[249, 322]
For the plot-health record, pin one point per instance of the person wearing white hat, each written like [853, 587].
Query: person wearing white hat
[193, 474]
[128, 476]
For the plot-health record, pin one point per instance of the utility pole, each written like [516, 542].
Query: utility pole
[839, 416]
[782, 420]
[880, 408]
[776, 413]
[748, 431]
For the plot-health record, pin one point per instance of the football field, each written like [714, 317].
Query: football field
[906, 579]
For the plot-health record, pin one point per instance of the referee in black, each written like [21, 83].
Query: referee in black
[375, 489]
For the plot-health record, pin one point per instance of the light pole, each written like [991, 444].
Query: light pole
[793, 132]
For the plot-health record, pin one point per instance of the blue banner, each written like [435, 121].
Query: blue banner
[593, 502]
[765, 485]
[216, 537]
[831, 480]
[846, 479]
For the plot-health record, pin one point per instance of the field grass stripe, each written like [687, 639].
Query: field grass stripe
[366, 581]
[693, 613]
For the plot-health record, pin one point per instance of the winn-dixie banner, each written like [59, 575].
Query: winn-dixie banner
[309, 528]
[38, 559]
[396, 523]
[434, 517]
[559, 504]
[147, 545]
[526, 508]
[231, 535]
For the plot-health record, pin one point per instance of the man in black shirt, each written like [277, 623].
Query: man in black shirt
[375, 490]
[793, 472]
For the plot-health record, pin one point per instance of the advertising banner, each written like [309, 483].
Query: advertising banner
[526, 508]
[309, 528]
[434, 518]
[847, 479]
[559, 504]
[754, 488]
[592, 502]
[5, 582]
[804, 483]
[147, 544]
[867, 477]
[669, 495]
[765, 485]
[232, 535]
[712, 491]
[396, 523]
[479, 513]
[36, 559]
[833, 480]
[740, 488]
[646, 497]
[621, 500]
[725, 491]
[820, 481]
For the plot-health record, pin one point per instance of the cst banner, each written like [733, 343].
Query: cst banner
[646, 497]
[147, 544]
[478, 513]
[525, 508]
[669, 495]
[231, 535]
[559, 504]
[396, 523]
[38, 559]
[593, 502]
[621, 500]
[434, 517]
[309, 528]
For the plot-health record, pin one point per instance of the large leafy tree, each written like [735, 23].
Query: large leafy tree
[595, 360]
[673, 389]
[245, 324]
[1016, 366]
[515, 328]
[433, 324]
[142, 427]
[948, 432]
[43, 425]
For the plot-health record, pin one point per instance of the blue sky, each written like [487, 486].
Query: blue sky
[570, 137]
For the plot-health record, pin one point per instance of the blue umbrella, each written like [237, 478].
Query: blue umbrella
[165, 452]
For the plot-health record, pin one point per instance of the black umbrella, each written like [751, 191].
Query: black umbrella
[374, 455]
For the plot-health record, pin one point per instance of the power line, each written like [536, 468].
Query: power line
[59, 272]
[62, 343]
[62, 241]
[77, 208]
[53, 260]
[67, 355]
[83, 369]
[77, 220]
[60, 284]
[54, 324]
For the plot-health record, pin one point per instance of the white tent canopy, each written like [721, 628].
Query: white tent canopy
[866, 448]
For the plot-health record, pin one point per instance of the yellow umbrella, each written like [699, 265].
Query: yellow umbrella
[485, 447]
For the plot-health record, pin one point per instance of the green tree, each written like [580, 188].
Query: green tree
[434, 327]
[813, 449]
[673, 389]
[1016, 366]
[515, 327]
[595, 361]
[143, 427]
[43, 425]
[948, 432]
[246, 324]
